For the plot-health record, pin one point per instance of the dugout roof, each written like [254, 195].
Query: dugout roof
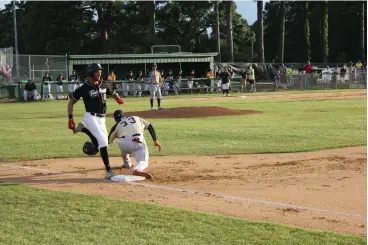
[158, 58]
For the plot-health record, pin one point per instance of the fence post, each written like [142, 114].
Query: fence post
[19, 90]
[29, 67]
[42, 90]
[66, 67]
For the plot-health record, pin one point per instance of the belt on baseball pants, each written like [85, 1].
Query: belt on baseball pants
[134, 135]
[97, 114]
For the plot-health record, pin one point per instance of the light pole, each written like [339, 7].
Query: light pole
[16, 41]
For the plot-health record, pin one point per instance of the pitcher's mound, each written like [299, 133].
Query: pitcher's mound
[187, 112]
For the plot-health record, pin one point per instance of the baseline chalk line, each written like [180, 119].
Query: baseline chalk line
[194, 192]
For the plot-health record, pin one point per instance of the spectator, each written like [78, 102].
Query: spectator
[359, 65]
[30, 89]
[326, 75]
[252, 79]
[308, 70]
[46, 87]
[210, 74]
[230, 70]
[190, 81]
[111, 76]
[59, 86]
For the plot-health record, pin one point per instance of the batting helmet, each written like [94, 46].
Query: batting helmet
[92, 68]
[118, 114]
[89, 148]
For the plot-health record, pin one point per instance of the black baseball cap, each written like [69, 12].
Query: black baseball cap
[154, 65]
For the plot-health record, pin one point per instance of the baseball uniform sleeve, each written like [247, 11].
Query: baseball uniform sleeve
[113, 133]
[144, 122]
[77, 94]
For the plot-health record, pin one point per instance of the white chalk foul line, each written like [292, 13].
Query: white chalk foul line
[217, 195]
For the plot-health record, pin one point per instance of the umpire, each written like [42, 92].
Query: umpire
[94, 93]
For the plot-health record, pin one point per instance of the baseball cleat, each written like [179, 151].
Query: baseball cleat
[160, 108]
[79, 128]
[153, 108]
[109, 174]
[143, 174]
[127, 166]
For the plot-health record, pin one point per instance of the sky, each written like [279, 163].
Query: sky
[247, 9]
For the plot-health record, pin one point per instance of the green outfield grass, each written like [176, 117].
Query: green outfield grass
[39, 130]
[41, 217]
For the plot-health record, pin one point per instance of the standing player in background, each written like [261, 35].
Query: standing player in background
[155, 81]
[74, 79]
[138, 85]
[177, 82]
[94, 94]
[225, 78]
[168, 80]
[251, 78]
[190, 81]
[129, 131]
[59, 86]
[46, 87]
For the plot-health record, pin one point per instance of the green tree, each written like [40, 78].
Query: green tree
[324, 31]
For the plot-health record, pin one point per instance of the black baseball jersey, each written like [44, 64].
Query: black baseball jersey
[59, 80]
[73, 78]
[225, 77]
[94, 97]
[46, 80]
[30, 87]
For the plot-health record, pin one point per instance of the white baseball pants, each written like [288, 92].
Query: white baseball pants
[155, 90]
[138, 150]
[98, 129]
[26, 93]
[59, 92]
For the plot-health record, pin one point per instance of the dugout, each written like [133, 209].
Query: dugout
[121, 64]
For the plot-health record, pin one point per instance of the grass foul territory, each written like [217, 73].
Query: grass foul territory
[41, 217]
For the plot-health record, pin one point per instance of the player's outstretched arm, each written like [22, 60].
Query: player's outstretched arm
[71, 123]
[152, 132]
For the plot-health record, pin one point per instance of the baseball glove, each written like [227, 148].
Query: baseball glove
[90, 149]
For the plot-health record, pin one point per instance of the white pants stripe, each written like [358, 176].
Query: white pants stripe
[97, 127]
[138, 150]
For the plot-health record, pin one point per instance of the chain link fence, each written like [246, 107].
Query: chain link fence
[34, 66]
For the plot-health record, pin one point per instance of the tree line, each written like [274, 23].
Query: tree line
[285, 31]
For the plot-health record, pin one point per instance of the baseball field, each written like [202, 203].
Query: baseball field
[263, 168]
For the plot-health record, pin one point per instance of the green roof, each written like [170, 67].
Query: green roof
[143, 56]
